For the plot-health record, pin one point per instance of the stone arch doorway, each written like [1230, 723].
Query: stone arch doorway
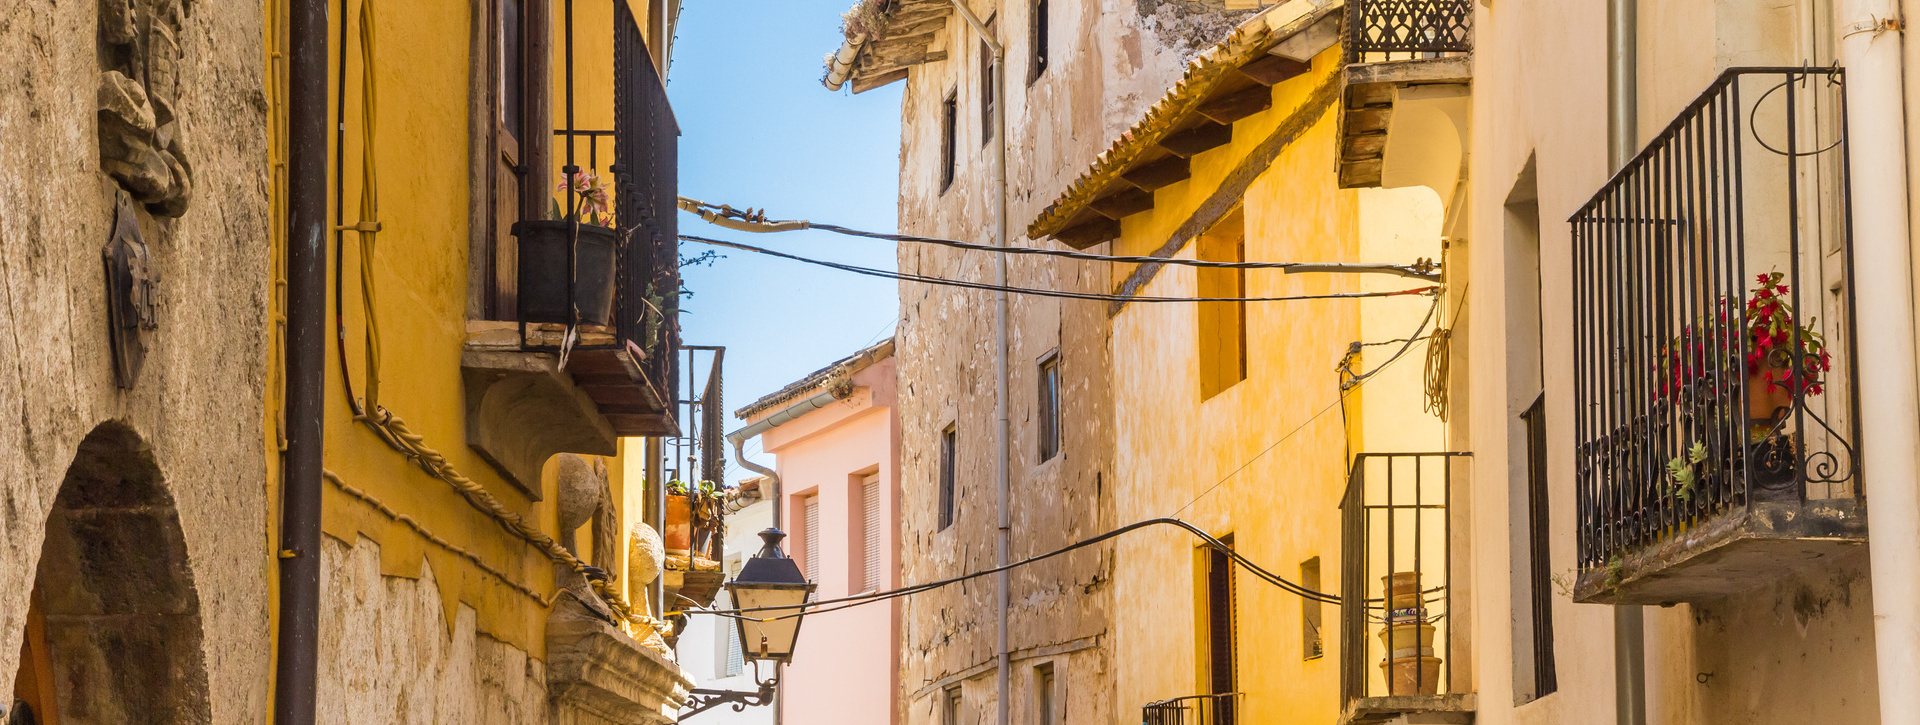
[114, 627]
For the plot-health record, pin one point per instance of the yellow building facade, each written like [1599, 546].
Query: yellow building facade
[486, 464]
[1249, 419]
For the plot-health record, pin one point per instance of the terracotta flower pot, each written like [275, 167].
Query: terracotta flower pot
[1403, 589]
[679, 534]
[1403, 640]
[1411, 675]
[1762, 403]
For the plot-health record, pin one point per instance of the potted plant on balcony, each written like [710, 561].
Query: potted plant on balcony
[1783, 360]
[584, 235]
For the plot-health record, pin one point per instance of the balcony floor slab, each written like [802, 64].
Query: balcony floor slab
[1729, 554]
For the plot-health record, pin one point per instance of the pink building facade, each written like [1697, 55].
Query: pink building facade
[839, 469]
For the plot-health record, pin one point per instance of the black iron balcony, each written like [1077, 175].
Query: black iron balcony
[1191, 710]
[1397, 591]
[1385, 30]
[1713, 348]
[1402, 54]
[581, 338]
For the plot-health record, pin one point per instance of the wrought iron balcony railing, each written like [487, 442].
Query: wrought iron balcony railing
[1713, 341]
[1397, 587]
[1191, 710]
[1384, 30]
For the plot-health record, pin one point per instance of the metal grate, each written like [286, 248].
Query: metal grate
[1738, 206]
[1382, 30]
[646, 187]
[1190, 710]
[1396, 570]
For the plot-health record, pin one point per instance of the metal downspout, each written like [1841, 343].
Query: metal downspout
[1623, 140]
[1002, 460]
[1870, 49]
[297, 658]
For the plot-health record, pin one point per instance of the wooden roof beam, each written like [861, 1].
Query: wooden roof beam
[1165, 172]
[1272, 69]
[1089, 233]
[1186, 144]
[1230, 107]
[1124, 203]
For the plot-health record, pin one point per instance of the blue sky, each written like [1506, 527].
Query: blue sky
[758, 129]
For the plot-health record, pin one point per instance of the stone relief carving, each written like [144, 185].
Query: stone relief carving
[141, 144]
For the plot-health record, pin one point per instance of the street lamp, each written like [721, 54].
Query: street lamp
[771, 583]
[768, 594]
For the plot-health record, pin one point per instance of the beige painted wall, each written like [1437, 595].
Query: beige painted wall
[1797, 651]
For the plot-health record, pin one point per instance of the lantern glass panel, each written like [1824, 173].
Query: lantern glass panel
[769, 640]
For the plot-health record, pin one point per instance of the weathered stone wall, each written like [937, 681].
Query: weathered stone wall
[1107, 62]
[197, 405]
[389, 657]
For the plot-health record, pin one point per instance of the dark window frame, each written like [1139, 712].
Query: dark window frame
[986, 89]
[951, 705]
[949, 138]
[1222, 634]
[1546, 679]
[1313, 637]
[1037, 62]
[949, 472]
[1046, 694]
[1047, 386]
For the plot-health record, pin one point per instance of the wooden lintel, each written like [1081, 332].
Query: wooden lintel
[1197, 139]
[867, 81]
[1238, 104]
[1124, 203]
[1089, 233]
[1272, 69]
[901, 27]
[1149, 177]
[882, 66]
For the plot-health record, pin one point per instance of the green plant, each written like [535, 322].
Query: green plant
[1681, 473]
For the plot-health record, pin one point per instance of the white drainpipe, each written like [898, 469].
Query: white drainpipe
[1870, 48]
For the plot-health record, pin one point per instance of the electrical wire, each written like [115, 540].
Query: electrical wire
[821, 606]
[1357, 378]
[749, 220]
[925, 279]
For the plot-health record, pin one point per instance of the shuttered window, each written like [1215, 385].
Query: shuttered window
[949, 447]
[871, 528]
[1049, 408]
[812, 509]
[735, 661]
[1221, 674]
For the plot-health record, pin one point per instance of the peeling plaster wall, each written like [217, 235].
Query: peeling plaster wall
[389, 657]
[198, 403]
[1108, 62]
[1796, 651]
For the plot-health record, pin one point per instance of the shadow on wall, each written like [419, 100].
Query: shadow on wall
[120, 638]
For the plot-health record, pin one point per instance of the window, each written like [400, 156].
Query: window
[1049, 407]
[950, 706]
[986, 90]
[1222, 325]
[949, 441]
[1043, 695]
[871, 527]
[1039, 61]
[949, 116]
[1530, 563]
[811, 507]
[1312, 645]
[516, 175]
[1545, 680]
[1221, 675]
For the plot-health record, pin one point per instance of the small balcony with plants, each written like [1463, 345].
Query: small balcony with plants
[1403, 656]
[1713, 343]
[1409, 67]
[1191, 710]
[572, 336]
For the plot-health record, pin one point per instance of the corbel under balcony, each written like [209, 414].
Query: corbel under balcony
[522, 408]
[597, 673]
[1403, 123]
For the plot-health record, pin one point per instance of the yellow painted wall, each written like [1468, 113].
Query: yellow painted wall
[419, 274]
[1263, 459]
